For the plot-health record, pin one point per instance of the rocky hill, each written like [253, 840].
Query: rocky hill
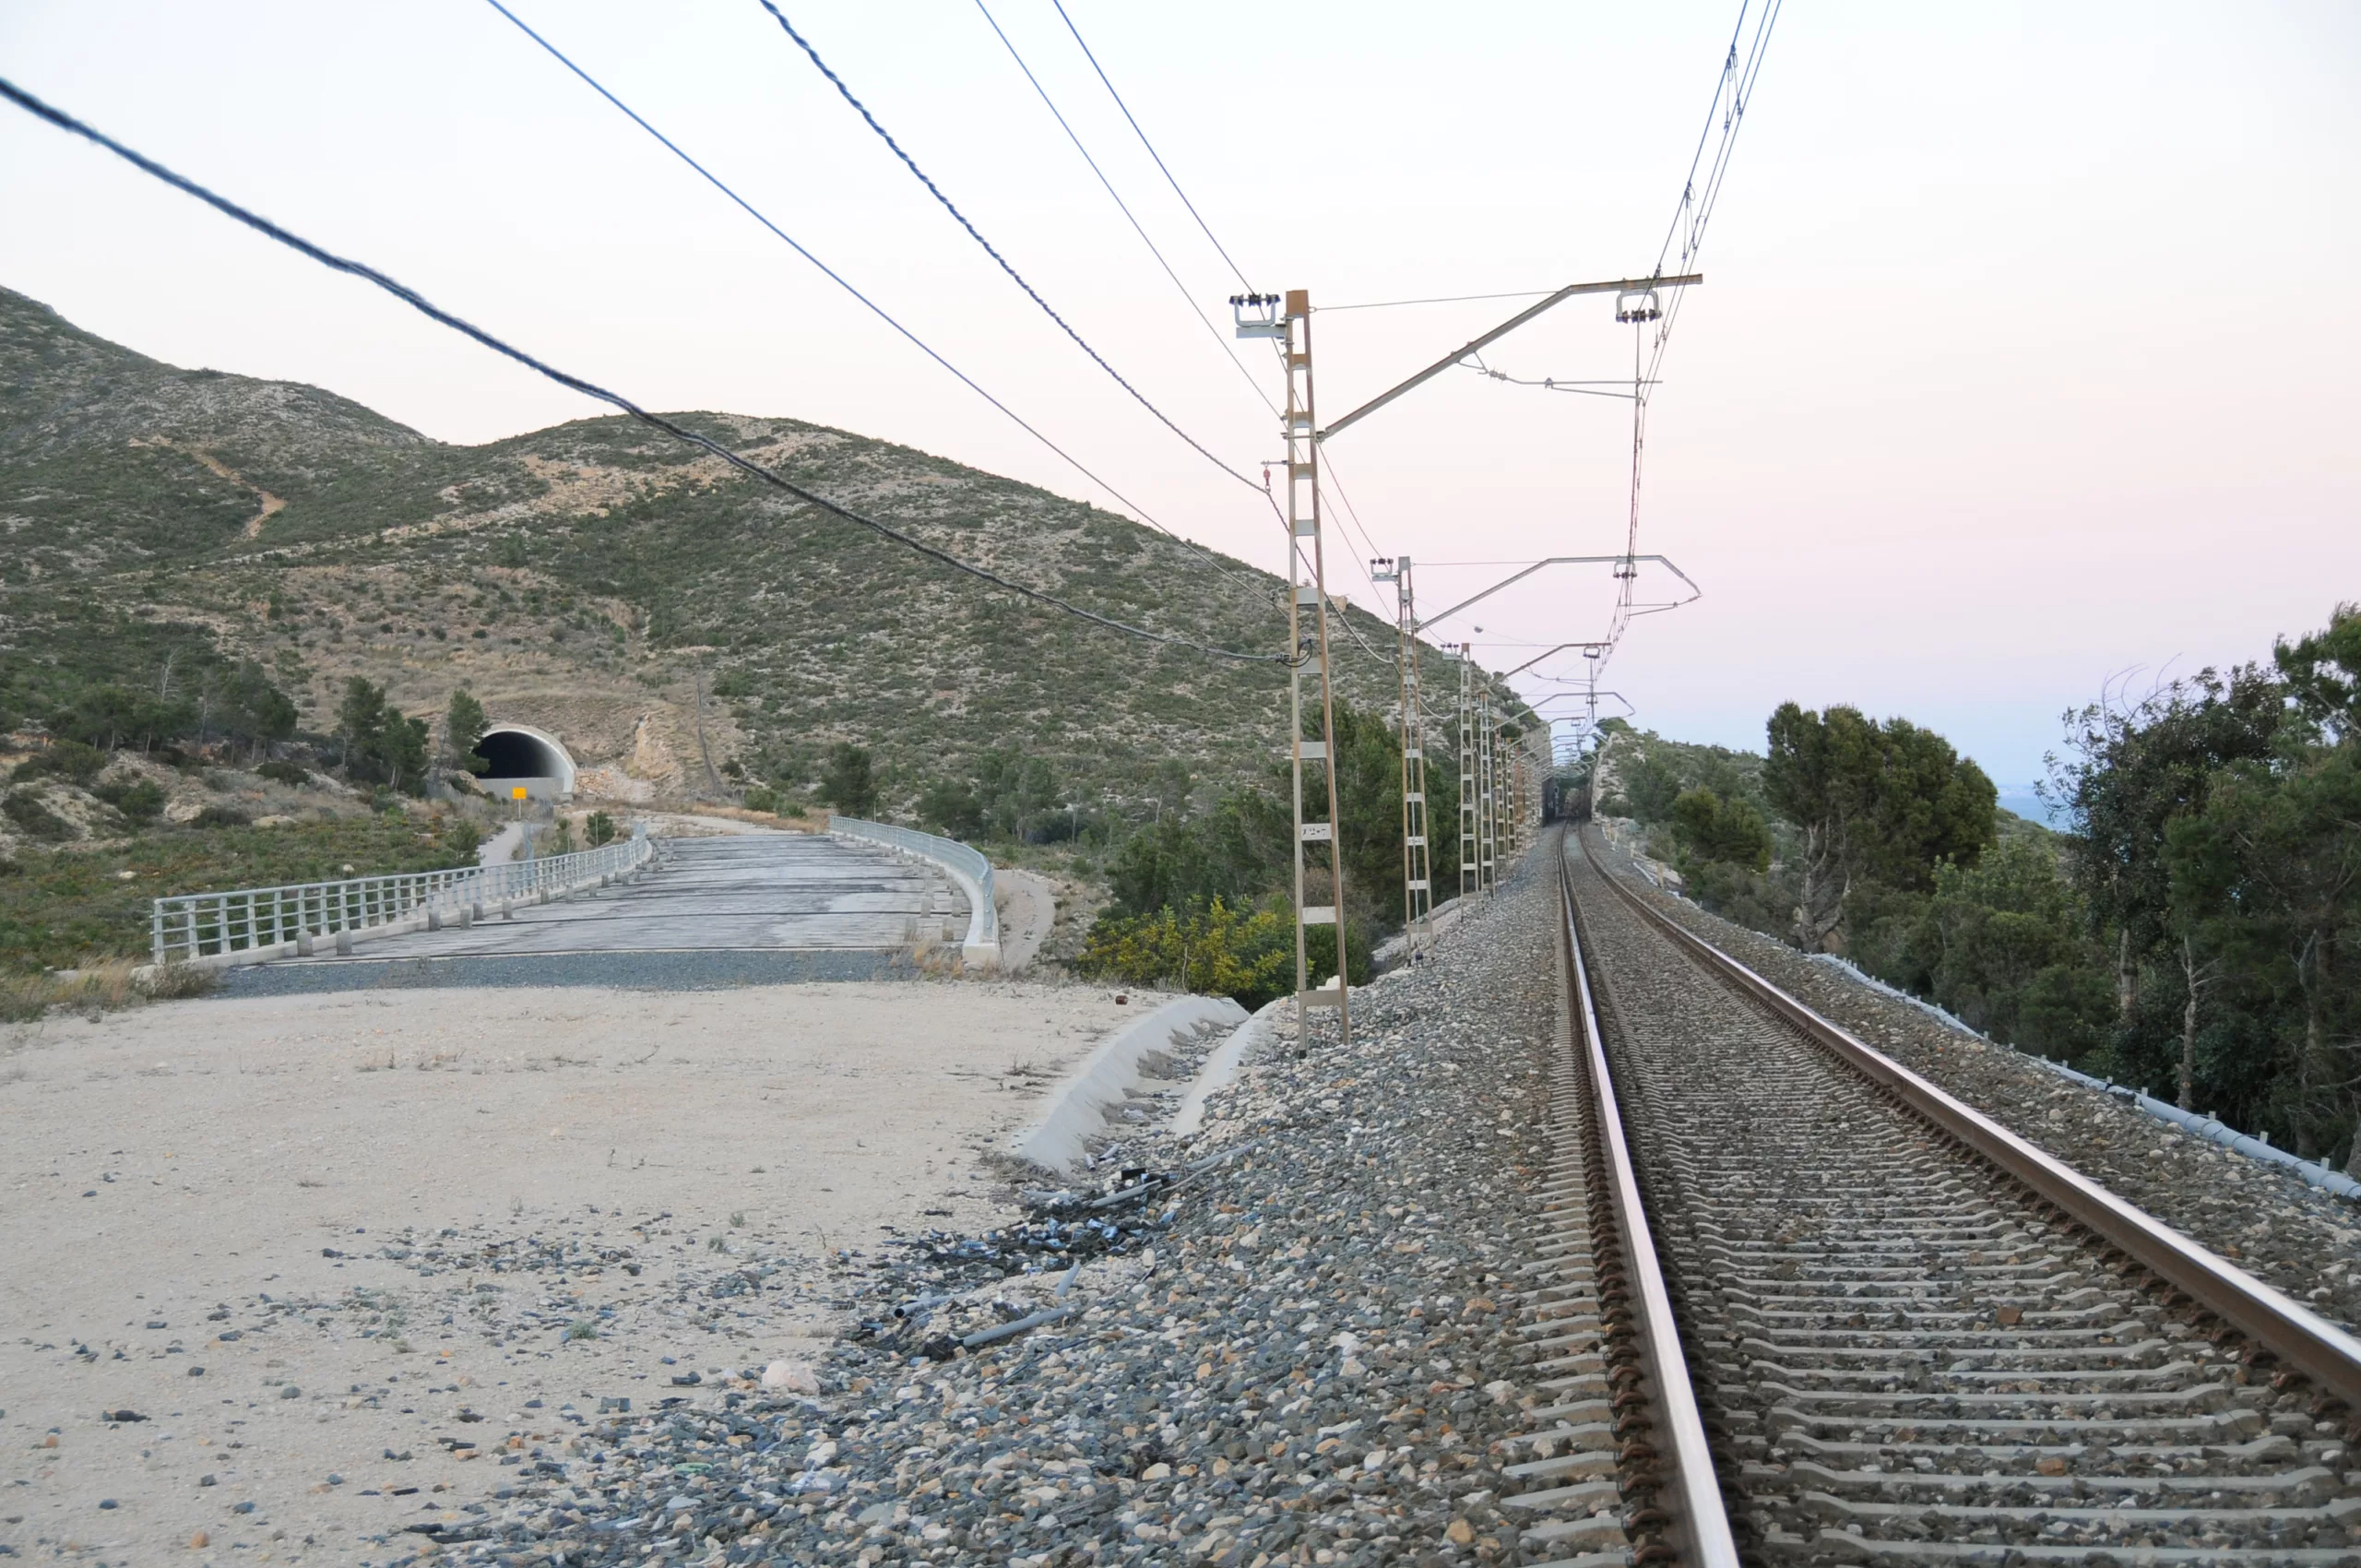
[665, 615]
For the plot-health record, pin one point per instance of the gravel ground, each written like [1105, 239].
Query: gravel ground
[2304, 1242]
[1301, 1356]
[292, 1276]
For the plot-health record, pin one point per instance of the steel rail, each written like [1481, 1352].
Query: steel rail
[2298, 1337]
[1699, 1527]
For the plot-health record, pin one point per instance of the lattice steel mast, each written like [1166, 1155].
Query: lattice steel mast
[1317, 849]
[1417, 883]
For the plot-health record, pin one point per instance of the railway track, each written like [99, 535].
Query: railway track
[1903, 1334]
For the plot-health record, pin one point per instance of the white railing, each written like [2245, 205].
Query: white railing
[251, 924]
[966, 866]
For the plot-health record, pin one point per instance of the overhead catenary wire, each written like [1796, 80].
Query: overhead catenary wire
[1733, 90]
[989, 249]
[1352, 514]
[419, 302]
[1349, 511]
[841, 281]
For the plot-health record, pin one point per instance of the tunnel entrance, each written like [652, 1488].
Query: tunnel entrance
[523, 757]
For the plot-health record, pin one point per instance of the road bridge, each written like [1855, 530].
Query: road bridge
[742, 892]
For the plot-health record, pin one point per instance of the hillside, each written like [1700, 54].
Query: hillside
[665, 615]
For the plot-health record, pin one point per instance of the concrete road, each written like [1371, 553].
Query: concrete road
[751, 891]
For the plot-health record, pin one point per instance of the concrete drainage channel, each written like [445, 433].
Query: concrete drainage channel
[1094, 1098]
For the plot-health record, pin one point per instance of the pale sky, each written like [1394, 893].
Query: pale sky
[2027, 355]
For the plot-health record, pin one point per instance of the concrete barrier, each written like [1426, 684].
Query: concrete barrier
[966, 865]
[1078, 1110]
[1222, 1066]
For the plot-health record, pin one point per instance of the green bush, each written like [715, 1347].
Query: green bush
[34, 819]
[1215, 950]
[220, 816]
[1714, 829]
[292, 775]
[849, 783]
[67, 759]
[952, 808]
[600, 828]
[139, 799]
[761, 798]
[1218, 951]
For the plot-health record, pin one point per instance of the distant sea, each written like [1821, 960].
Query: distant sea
[2020, 798]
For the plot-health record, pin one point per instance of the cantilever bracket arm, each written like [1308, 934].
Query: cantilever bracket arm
[1620, 286]
[1695, 591]
[1539, 657]
[1586, 698]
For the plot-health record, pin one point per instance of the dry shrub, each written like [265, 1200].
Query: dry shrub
[170, 982]
[104, 987]
[24, 998]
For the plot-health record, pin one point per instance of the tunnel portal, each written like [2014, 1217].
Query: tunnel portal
[523, 757]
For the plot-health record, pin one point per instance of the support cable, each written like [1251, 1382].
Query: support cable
[974, 233]
[1230, 353]
[425, 307]
[838, 278]
[1447, 300]
[1207, 229]
[1109, 186]
[1238, 272]
[1350, 630]
[1352, 514]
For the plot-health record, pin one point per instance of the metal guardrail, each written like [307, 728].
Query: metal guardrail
[966, 864]
[2314, 1172]
[249, 924]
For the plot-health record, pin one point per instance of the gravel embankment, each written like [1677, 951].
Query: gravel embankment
[1298, 1355]
[2304, 1242]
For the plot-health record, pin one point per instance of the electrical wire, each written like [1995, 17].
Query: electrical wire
[419, 302]
[1137, 228]
[974, 233]
[1732, 93]
[838, 278]
[1109, 186]
[1692, 215]
[1351, 514]
[1235, 270]
[1447, 300]
[1548, 383]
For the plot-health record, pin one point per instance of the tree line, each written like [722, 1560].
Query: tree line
[2217, 825]
[2196, 929]
[1202, 883]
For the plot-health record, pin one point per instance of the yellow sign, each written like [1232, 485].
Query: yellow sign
[517, 793]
